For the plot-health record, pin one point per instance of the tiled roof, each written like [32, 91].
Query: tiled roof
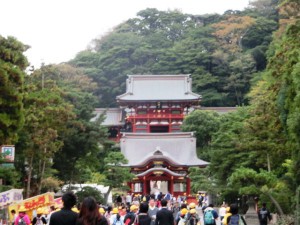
[113, 116]
[158, 88]
[177, 148]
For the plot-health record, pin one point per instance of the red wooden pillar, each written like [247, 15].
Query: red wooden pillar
[129, 186]
[145, 186]
[188, 186]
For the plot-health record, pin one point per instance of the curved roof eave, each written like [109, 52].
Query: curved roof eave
[161, 169]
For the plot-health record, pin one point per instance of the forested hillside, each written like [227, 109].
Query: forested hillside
[255, 151]
[221, 52]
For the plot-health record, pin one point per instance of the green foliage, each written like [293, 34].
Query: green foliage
[10, 178]
[225, 154]
[203, 123]
[116, 174]
[89, 191]
[202, 179]
[12, 66]
[159, 42]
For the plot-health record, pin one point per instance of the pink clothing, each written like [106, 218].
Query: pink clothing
[25, 218]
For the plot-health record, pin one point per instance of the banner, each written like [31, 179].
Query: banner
[11, 196]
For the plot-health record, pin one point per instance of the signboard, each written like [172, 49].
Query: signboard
[58, 203]
[11, 196]
[38, 201]
[33, 203]
[8, 153]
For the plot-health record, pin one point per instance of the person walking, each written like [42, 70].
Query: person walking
[52, 210]
[13, 215]
[235, 218]
[142, 217]
[65, 216]
[130, 216]
[222, 212]
[115, 218]
[264, 215]
[210, 215]
[39, 219]
[22, 218]
[152, 211]
[89, 213]
[164, 216]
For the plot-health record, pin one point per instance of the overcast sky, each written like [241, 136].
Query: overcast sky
[58, 29]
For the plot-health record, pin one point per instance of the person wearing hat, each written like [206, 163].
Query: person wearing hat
[193, 217]
[177, 217]
[102, 211]
[130, 217]
[39, 220]
[228, 213]
[182, 219]
[115, 217]
[22, 218]
[192, 207]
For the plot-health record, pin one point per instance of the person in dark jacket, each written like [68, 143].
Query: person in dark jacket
[65, 216]
[264, 215]
[89, 213]
[143, 218]
[130, 216]
[164, 216]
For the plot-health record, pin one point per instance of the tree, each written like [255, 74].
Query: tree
[89, 191]
[238, 83]
[251, 182]
[12, 66]
[231, 29]
[226, 155]
[202, 179]
[116, 174]
[46, 115]
[204, 124]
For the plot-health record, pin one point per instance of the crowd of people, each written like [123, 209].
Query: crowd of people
[144, 211]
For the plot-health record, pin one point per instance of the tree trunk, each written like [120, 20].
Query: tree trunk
[107, 194]
[29, 177]
[278, 207]
[42, 173]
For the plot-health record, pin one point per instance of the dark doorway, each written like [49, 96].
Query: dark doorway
[159, 129]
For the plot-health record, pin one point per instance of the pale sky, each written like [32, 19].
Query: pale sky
[57, 30]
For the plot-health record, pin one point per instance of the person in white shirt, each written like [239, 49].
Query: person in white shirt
[222, 211]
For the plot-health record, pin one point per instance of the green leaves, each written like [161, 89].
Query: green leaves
[12, 64]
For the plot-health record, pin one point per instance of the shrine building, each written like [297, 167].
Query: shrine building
[147, 125]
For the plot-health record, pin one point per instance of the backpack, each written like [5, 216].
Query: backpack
[181, 221]
[118, 222]
[234, 220]
[21, 222]
[209, 217]
[263, 215]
